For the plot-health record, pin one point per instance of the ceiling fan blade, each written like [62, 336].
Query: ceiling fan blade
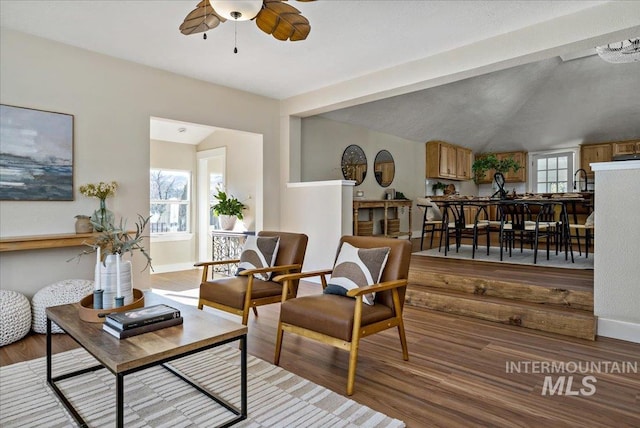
[282, 21]
[202, 18]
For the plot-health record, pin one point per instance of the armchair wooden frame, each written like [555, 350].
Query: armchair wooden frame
[249, 303]
[359, 331]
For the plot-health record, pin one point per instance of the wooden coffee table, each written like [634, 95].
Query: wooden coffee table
[200, 331]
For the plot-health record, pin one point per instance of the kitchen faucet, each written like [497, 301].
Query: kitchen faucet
[584, 177]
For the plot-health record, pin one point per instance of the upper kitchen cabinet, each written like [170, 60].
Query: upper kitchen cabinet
[592, 153]
[448, 161]
[631, 147]
[519, 176]
[510, 176]
[464, 160]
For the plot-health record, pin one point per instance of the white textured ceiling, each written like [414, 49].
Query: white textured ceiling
[348, 38]
[539, 106]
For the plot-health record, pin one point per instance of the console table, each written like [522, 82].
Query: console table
[38, 242]
[227, 245]
[386, 205]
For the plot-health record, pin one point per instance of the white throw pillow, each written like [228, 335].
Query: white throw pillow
[259, 252]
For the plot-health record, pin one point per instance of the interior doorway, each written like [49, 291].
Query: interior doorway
[211, 175]
[210, 156]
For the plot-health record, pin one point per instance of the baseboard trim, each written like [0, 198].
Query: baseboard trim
[616, 329]
[175, 267]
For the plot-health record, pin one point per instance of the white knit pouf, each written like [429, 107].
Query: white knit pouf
[15, 316]
[58, 293]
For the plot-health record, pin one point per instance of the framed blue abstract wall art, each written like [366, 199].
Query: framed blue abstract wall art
[36, 155]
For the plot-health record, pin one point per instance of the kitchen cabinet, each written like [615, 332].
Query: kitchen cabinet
[592, 153]
[464, 160]
[509, 177]
[626, 148]
[519, 176]
[445, 160]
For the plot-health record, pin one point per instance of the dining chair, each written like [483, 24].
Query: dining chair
[466, 220]
[431, 220]
[525, 222]
[369, 278]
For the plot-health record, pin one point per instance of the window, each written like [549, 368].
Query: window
[552, 172]
[170, 201]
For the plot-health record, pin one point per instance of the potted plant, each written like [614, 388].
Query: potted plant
[228, 209]
[438, 188]
[483, 164]
[110, 245]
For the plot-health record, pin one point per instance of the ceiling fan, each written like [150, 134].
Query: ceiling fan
[274, 17]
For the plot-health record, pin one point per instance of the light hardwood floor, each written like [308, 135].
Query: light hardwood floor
[456, 374]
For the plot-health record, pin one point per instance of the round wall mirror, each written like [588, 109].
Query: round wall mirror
[354, 164]
[384, 168]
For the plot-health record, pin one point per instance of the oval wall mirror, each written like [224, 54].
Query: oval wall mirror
[384, 168]
[354, 164]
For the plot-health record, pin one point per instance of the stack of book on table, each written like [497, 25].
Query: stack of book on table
[142, 320]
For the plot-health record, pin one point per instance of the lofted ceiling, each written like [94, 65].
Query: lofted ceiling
[544, 105]
[532, 107]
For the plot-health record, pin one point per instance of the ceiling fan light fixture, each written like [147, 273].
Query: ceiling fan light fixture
[237, 10]
[621, 52]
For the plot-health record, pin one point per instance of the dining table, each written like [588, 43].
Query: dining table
[454, 213]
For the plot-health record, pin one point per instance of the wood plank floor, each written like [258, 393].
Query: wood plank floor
[456, 375]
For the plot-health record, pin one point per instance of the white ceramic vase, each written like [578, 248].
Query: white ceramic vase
[109, 283]
[227, 222]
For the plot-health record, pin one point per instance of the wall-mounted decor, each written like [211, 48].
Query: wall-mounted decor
[354, 164]
[384, 168]
[36, 155]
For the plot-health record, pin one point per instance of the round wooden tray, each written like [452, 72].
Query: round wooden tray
[87, 313]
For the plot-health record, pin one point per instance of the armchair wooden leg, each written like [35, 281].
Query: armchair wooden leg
[355, 344]
[279, 334]
[200, 304]
[353, 362]
[245, 316]
[403, 337]
[255, 310]
[403, 341]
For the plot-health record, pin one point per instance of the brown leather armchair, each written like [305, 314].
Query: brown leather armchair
[237, 294]
[342, 321]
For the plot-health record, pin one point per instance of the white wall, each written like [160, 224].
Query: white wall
[171, 254]
[243, 171]
[112, 101]
[321, 210]
[617, 250]
[324, 141]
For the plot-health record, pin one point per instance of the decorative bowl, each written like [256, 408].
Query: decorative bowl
[88, 314]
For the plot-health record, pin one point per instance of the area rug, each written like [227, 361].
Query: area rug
[156, 398]
[524, 258]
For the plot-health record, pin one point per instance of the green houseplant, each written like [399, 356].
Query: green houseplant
[228, 208]
[483, 164]
[438, 186]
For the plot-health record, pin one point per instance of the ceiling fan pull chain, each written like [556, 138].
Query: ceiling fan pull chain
[204, 34]
[235, 37]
